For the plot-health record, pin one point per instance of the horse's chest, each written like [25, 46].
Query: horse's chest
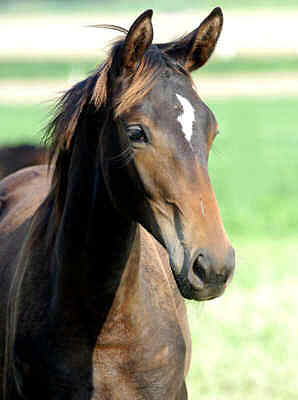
[145, 364]
[141, 352]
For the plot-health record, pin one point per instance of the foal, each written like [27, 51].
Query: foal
[94, 268]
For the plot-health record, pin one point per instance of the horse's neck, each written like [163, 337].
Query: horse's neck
[91, 253]
[92, 249]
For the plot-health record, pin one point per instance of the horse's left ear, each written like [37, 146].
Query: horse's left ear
[137, 41]
[194, 49]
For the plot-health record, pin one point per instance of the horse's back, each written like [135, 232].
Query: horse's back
[14, 158]
[20, 195]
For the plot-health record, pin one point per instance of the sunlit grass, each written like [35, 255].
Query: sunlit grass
[55, 68]
[245, 343]
[48, 69]
[253, 165]
[21, 124]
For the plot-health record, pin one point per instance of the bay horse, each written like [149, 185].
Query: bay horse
[13, 158]
[97, 253]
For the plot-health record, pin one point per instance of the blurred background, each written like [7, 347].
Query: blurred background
[244, 344]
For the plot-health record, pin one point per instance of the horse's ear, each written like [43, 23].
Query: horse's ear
[137, 41]
[194, 49]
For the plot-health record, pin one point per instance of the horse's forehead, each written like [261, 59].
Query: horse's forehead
[173, 82]
[176, 92]
[176, 102]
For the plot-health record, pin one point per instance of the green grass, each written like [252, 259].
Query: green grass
[45, 68]
[61, 69]
[21, 124]
[243, 65]
[53, 6]
[245, 343]
[254, 164]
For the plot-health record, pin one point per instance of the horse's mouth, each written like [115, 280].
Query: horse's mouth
[204, 294]
[208, 293]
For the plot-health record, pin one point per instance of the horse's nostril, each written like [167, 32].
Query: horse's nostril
[199, 270]
[221, 278]
[210, 272]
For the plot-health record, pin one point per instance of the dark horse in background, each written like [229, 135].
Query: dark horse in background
[13, 158]
[97, 253]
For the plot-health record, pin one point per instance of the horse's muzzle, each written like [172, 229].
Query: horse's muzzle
[206, 277]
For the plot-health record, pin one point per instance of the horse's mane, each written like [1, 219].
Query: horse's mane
[95, 90]
[108, 89]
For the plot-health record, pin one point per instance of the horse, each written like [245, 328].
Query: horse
[13, 158]
[99, 249]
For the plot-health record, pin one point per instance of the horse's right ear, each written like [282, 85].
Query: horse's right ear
[137, 41]
[194, 49]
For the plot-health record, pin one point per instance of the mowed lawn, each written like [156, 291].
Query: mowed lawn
[245, 343]
[61, 69]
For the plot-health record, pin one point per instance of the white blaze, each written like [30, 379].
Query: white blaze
[187, 117]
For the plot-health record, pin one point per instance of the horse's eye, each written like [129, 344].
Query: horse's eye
[136, 134]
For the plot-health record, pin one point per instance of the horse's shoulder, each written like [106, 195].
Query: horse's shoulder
[21, 194]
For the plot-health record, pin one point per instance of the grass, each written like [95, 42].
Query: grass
[47, 69]
[62, 69]
[245, 65]
[245, 343]
[253, 165]
[76, 6]
[22, 124]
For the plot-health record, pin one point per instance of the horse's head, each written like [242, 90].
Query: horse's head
[144, 126]
[168, 131]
